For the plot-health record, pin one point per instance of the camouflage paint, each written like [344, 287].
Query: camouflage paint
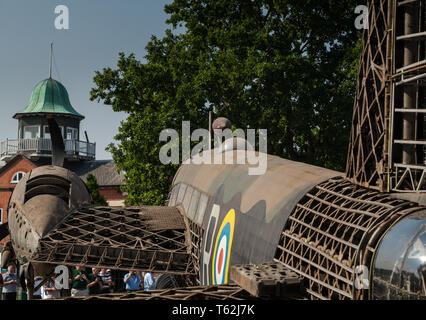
[261, 205]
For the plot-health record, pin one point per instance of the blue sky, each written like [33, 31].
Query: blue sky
[99, 30]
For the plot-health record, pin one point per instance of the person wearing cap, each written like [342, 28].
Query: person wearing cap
[107, 283]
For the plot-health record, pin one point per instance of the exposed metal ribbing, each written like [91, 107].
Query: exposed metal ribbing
[333, 229]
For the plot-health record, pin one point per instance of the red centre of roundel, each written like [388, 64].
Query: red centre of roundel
[219, 264]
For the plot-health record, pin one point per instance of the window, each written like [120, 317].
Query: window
[46, 132]
[17, 177]
[31, 132]
[181, 193]
[72, 134]
[192, 210]
[202, 205]
[1, 215]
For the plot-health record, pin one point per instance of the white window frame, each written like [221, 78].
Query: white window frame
[74, 133]
[1, 215]
[15, 179]
[44, 132]
[38, 134]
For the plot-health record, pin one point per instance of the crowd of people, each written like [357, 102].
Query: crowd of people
[82, 282]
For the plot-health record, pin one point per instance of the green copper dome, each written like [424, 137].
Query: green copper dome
[49, 97]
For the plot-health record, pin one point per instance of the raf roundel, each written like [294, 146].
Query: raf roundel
[222, 249]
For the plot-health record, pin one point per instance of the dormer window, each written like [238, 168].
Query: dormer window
[17, 177]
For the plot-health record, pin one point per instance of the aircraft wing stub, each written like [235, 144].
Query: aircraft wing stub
[138, 238]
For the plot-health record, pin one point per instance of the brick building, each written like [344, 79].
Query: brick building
[32, 148]
[10, 174]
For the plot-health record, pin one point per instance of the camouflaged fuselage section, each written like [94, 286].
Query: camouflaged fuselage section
[241, 215]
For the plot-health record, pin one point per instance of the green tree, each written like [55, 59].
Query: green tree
[92, 185]
[288, 66]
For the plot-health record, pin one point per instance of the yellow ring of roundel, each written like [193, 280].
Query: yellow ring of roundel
[229, 218]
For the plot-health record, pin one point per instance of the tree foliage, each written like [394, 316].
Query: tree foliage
[92, 185]
[288, 66]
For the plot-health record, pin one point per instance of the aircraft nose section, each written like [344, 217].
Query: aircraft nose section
[40, 201]
[44, 212]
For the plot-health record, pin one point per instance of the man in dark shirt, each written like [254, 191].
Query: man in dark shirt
[80, 281]
[95, 282]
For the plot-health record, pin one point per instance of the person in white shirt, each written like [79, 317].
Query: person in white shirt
[149, 282]
[49, 291]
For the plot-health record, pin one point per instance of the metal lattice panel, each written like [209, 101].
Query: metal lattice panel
[386, 150]
[409, 178]
[408, 99]
[196, 234]
[370, 122]
[222, 292]
[138, 238]
[334, 229]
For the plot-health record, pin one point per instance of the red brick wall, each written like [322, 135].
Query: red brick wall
[4, 200]
[111, 193]
[20, 164]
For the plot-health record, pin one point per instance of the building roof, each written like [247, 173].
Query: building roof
[12, 162]
[49, 97]
[105, 171]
